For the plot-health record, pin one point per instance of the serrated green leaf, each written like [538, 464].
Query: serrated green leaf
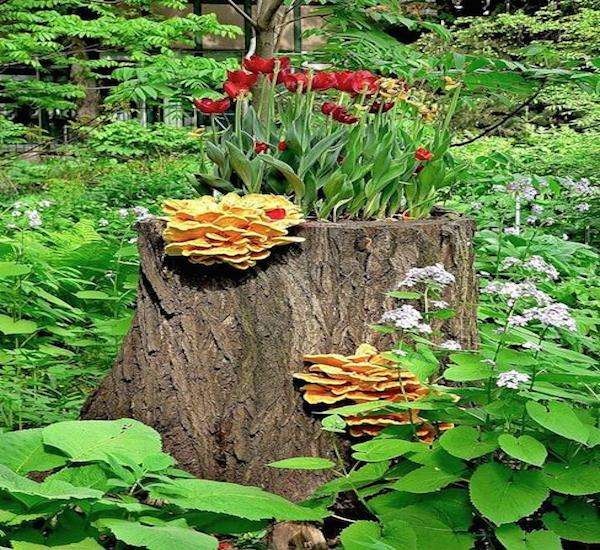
[89, 440]
[425, 479]
[228, 498]
[525, 448]
[23, 452]
[377, 450]
[467, 442]
[558, 418]
[303, 463]
[504, 495]
[575, 520]
[367, 535]
[514, 538]
[158, 537]
[577, 479]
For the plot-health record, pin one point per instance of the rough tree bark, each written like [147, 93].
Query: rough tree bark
[209, 358]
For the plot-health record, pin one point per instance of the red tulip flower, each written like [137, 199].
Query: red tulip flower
[343, 79]
[342, 115]
[276, 213]
[233, 90]
[282, 145]
[284, 63]
[378, 107]
[260, 147]
[212, 107]
[242, 78]
[292, 81]
[328, 107]
[257, 64]
[364, 82]
[423, 155]
[323, 81]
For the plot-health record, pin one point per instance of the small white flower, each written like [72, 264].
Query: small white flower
[102, 222]
[451, 345]
[477, 206]
[531, 220]
[488, 362]
[539, 265]
[531, 345]
[537, 208]
[513, 291]
[34, 218]
[549, 221]
[132, 240]
[431, 274]
[45, 203]
[511, 230]
[11, 226]
[400, 352]
[18, 205]
[565, 237]
[424, 328]
[16, 213]
[510, 261]
[582, 207]
[555, 315]
[109, 274]
[141, 212]
[511, 379]
[404, 317]
[123, 212]
[439, 304]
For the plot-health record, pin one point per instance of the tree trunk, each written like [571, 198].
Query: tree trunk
[87, 107]
[209, 358]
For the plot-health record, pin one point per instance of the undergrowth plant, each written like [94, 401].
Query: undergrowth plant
[107, 484]
[520, 468]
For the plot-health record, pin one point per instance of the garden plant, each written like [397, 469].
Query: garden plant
[349, 300]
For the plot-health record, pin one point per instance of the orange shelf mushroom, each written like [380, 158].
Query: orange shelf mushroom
[236, 230]
[364, 377]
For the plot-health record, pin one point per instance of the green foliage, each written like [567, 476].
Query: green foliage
[138, 45]
[109, 481]
[132, 140]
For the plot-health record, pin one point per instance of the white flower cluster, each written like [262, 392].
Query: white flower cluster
[537, 208]
[555, 315]
[514, 291]
[531, 345]
[523, 187]
[535, 263]
[406, 317]
[511, 230]
[140, 212]
[451, 345]
[438, 304]
[34, 218]
[581, 187]
[431, 274]
[511, 379]
[582, 207]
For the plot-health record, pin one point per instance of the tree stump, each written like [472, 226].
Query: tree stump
[209, 358]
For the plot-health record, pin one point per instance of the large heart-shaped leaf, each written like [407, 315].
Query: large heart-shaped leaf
[23, 452]
[525, 448]
[577, 479]
[504, 495]
[467, 442]
[559, 418]
[514, 538]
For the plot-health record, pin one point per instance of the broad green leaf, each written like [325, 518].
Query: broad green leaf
[425, 480]
[558, 418]
[504, 495]
[405, 295]
[514, 538]
[578, 479]
[49, 489]
[88, 440]
[158, 537]
[303, 463]
[92, 476]
[525, 448]
[373, 471]
[228, 498]
[23, 452]
[9, 326]
[288, 173]
[13, 269]
[377, 450]
[93, 295]
[333, 423]
[468, 373]
[575, 520]
[433, 532]
[367, 535]
[467, 442]
[84, 544]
